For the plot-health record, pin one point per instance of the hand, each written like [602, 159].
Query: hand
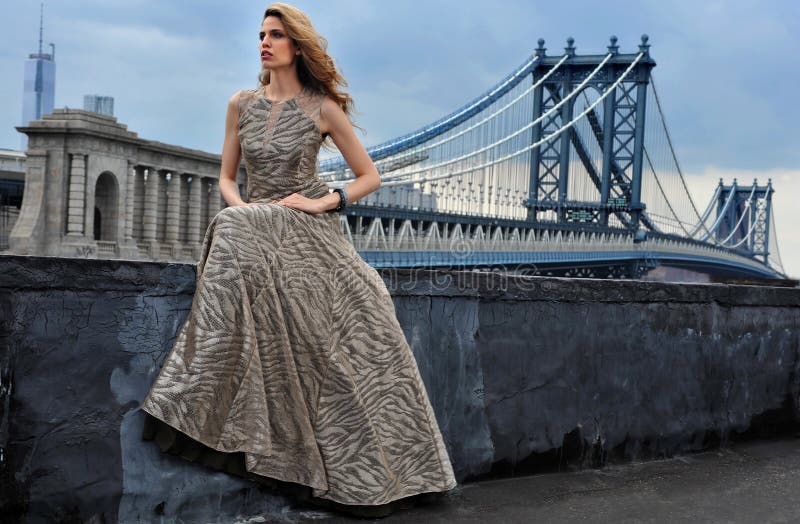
[300, 202]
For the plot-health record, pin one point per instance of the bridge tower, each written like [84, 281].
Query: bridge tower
[618, 131]
[743, 216]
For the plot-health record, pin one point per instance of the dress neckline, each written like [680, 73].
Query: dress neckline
[263, 93]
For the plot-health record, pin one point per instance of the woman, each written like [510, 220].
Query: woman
[291, 368]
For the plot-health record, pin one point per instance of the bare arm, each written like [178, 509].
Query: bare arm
[231, 155]
[334, 121]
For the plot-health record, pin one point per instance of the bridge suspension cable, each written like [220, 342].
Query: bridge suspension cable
[746, 237]
[443, 125]
[665, 188]
[672, 149]
[707, 212]
[720, 214]
[663, 193]
[525, 149]
[775, 261]
[750, 204]
[508, 137]
[752, 225]
[474, 126]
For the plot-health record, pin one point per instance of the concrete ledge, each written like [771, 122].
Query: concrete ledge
[526, 374]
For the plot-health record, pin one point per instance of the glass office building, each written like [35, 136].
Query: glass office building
[99, 104]
[40, 86]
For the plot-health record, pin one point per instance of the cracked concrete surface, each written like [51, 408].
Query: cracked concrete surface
[526, 375]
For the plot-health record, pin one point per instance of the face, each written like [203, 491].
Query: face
[276, 47]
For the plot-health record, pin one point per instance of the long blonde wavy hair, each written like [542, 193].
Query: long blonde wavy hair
[315, 68]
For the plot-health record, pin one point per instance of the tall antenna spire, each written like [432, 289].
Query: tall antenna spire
[41, 26]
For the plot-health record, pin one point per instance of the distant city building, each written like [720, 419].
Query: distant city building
[93, 188]
[99, 104]
[12, 183]
[40, 84]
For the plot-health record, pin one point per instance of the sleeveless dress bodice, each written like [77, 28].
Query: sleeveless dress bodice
[280, 143]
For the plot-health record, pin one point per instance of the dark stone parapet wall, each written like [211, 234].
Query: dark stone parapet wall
[526, 374]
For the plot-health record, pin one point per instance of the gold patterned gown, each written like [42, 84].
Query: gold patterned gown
[292, 359]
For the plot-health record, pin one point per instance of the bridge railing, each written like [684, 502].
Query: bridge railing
[461, 247]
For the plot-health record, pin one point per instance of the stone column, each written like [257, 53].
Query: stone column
[195, 189]
[138, 202]
[26, 238]
[77, 195]
[173, 207]
[128, 247]
[129, 198]
[214, 199]
[151, 190]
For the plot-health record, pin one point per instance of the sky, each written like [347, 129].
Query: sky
[727, 71]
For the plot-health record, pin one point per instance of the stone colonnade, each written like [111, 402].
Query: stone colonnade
[95, 189]
[170, 211]
[166, 212]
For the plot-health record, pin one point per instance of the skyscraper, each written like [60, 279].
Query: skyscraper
[99, 104]
[39, 92]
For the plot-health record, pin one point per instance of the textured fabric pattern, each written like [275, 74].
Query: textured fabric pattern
[292, 352]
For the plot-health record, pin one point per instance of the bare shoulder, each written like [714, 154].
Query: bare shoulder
[332, 115]
[234, 101]
[239, 96]
[242, 96]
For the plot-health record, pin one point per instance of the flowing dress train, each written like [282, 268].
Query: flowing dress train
[291, 366]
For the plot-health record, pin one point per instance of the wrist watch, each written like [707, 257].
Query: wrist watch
[342, 200]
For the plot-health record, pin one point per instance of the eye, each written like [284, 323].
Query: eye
[261, 35]
[277, 34]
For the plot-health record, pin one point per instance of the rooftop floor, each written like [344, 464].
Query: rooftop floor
[755, 481]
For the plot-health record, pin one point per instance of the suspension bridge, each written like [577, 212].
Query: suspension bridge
[564, 167]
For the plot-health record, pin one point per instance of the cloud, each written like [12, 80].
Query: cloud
[727, 71]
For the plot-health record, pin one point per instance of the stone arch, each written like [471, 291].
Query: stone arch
[106, 207]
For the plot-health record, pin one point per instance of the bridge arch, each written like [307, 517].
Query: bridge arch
[106, 207]
[586, 147]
